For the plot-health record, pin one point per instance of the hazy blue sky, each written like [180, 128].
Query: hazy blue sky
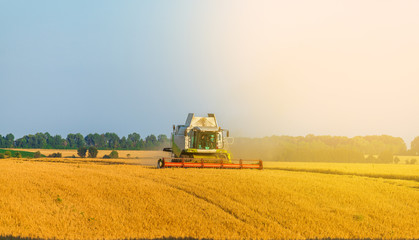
[263, 67]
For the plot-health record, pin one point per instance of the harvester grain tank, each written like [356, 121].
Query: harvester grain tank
[201, 142]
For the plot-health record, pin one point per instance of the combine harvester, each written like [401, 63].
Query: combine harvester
[200, 143]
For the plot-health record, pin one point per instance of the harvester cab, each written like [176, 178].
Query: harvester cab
[201, 143]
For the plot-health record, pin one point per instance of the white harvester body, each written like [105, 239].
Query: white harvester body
[199, 137]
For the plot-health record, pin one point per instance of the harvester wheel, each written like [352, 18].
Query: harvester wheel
[160, 164]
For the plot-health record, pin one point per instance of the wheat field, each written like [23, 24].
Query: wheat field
[389, 171]
[68, 153]
[109, 199]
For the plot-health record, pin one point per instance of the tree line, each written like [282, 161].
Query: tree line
[104, 141]
[311, 148]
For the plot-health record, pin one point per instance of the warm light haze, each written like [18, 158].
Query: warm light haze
[281, 67]
[209, 119]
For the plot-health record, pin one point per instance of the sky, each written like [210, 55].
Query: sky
[346, 68]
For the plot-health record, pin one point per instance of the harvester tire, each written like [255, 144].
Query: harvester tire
[160, 164]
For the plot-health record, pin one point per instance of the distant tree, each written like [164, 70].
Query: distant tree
[2, 141]
[71, 140]
[385, 157]
[17, 155]
[371, 159]
[94, 140]
[162, 139]
[150, 141]
[57, 142]
[113, 140]
[23, 142]
[413, 161]
[49, 141]
[414, 146]
[37, 154]
[7, 154]
[55, 155]
[81, 151]
[410, 152]
[75, 140]
[93, 152]
[133, 141]
[79, 140]
[100, 140]
[396, 160]
[140, 144]
[123, 143]
[2, 156]
[114, 154]
[65, 143]
[9, 140]
[89, 140]
[40, 140]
